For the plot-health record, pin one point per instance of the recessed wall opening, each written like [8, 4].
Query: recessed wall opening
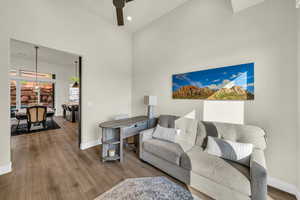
[45, 93]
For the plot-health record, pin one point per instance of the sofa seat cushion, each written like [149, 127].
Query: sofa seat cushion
[163, 149]
[226, 173]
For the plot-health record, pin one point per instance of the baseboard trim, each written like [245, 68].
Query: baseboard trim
[286, 187]
[87, 145]
[5, 169]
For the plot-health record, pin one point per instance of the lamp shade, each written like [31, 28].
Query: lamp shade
[150, 100]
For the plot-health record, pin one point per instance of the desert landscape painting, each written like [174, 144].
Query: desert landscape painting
[225, 83]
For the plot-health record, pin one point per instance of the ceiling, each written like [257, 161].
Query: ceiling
[27, 51]
[239, 5]
[142, 12]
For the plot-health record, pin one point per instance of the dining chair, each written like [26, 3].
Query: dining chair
[36, 115]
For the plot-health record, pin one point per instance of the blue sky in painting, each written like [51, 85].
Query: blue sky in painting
[224, 77]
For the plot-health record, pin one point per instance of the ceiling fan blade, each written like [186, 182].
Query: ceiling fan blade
[120, 4]
[120, 16]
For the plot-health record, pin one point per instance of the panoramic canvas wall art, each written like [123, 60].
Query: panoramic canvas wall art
[225, 83]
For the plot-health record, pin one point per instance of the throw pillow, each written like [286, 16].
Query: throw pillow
[234, 151]
[186, 137]
[163, 133]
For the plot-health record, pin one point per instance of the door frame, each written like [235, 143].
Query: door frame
[80, 84]
[80, 101]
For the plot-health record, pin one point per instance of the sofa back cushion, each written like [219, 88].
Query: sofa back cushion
[232, 132]
[167, 121]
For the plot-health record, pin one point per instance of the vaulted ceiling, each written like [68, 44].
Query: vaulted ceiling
[142, 12]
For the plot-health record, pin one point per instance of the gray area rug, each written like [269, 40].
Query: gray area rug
[152, 188]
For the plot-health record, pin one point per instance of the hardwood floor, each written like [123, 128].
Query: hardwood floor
[49, 165]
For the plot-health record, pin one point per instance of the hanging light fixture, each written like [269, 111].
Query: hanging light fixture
[36, 88]
[76, 84]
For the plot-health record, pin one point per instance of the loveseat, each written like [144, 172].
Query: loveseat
[219, 178]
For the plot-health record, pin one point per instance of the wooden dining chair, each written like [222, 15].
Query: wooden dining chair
[36, 115]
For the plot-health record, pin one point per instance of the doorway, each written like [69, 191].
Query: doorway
[45, 90]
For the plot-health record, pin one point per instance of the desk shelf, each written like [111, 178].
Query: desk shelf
[112, 141]
[107, 158]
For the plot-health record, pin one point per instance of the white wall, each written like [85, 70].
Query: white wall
[66, 26]
[298, 92]
[205, 34]
[63, 74]
[224, 111]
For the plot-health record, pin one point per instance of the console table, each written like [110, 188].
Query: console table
[114, 132]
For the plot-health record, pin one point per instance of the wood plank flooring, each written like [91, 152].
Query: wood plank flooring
[49, 165]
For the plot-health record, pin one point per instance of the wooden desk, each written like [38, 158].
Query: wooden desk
[114, 132]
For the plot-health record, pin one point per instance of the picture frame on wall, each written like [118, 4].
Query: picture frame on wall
[224, 83]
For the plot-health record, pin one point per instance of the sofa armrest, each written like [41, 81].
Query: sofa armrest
[144, 135]
[258, 175]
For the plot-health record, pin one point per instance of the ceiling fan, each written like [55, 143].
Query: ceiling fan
[120, 4]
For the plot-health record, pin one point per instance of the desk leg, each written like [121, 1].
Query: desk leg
[104, 146]
[121, 144]
[137, 144]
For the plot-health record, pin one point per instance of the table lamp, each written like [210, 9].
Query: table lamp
[150, 101]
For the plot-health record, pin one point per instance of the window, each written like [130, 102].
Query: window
[13, 72]
[74, 94]
[13, 94]
[28, 95]
[47, 94]
[29, 74]
[23, 93]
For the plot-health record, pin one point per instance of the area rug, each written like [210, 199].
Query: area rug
[152, 188]
[50, 125]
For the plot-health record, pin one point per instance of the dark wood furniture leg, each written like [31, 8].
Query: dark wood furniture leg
[44, 124]
[73, 115]
[64, 113]
[28, 126]
[18, 124]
